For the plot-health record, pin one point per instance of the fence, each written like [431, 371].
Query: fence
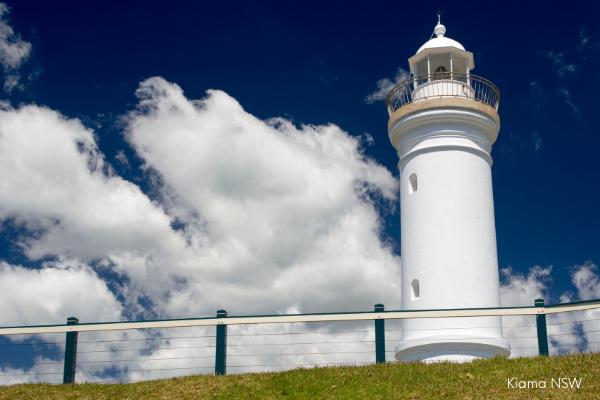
[217, 343]
[444, 84]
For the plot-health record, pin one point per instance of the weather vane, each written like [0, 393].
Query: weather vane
[439, 14]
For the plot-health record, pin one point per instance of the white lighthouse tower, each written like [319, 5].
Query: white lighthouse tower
[443, 122]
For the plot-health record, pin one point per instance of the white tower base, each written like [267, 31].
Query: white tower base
[449, 258]
[453, 348]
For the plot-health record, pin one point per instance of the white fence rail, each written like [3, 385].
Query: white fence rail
[217, 343]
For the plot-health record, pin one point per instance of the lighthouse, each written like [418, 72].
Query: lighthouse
[443, 123]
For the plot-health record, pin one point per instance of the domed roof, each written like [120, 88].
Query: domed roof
[441, 42]
[441, 45]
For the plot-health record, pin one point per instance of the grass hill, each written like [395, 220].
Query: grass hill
[481, 379]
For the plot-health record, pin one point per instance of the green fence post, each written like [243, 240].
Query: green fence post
[70, 353]
[542, 333]
[221, 355]
[379, 337]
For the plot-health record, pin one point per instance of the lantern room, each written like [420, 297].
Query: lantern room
[441, 58]
[441, 69]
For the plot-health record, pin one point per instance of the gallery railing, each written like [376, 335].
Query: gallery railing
[443, 84]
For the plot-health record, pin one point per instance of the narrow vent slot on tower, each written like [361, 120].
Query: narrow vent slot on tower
[414, 294]
[412, 184]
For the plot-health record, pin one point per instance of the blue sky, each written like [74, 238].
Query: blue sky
[314, 63]
[177, 159]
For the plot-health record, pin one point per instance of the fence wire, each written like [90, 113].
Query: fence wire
[133, 356]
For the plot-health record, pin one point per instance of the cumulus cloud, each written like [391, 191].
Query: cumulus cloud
[587, 281]
[518, 290]
[48, 295]
[567, 332]
[270, 208]
[248, 215]
[385, 85]
[64, 195]
[62, 288]
[264, 210]
[13, 51]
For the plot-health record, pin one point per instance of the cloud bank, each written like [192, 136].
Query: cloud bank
[244, 212]
[257, 217]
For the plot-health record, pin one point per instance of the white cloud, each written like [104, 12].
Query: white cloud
[122, 159]
[567, 332]
[270, 214]
[520, 290]
[564, 93]
[270, 218]
[385, 85]
[587, 281]
[583, 39]
[54, 292]
[557, 59]
[66, 197]
[274, 211]
[49, 295]
[11, 82]
[13, 51]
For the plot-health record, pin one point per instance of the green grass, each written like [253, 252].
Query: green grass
[482, 379]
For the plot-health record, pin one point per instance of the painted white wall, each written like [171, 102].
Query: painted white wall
[444, 87]
[448, 233]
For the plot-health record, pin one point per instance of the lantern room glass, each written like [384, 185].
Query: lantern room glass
[459, 64]
[447, 65]
[421, 68]
[439, 66]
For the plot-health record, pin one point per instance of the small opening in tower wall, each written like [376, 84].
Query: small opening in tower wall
[412, 184]
[415, 290]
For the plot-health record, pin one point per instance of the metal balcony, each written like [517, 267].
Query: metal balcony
[443, 84]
